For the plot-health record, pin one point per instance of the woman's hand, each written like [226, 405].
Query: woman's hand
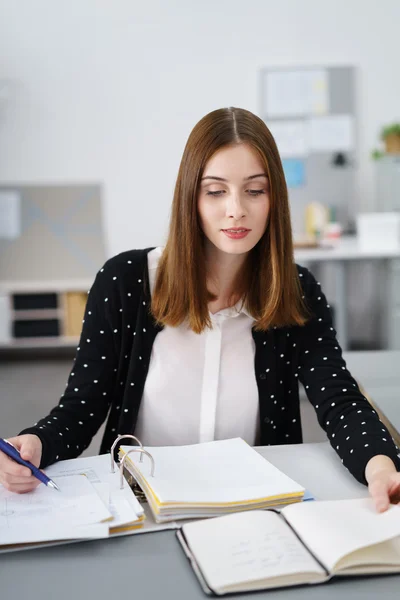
[16, 477]
[383, 482]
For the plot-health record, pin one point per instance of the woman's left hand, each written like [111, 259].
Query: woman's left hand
[384, 486]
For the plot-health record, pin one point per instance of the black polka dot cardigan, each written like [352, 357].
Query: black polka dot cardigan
[112, 360]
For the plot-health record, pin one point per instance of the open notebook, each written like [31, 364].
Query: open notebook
[304, 543]
[209, 479]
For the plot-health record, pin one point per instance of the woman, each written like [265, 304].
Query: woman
[207, 338]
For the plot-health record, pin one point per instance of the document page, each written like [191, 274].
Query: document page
[123, 504]
[48, 511]
[335, 528]
[249, 547]
[223, 471]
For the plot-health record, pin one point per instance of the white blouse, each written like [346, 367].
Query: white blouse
[200, 387]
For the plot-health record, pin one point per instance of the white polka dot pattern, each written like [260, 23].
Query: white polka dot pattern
[111, 364]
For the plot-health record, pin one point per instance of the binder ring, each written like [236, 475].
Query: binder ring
[122, 463]
[120, 437]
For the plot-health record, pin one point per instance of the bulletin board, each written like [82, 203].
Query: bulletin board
[50, 232]
[311, 113]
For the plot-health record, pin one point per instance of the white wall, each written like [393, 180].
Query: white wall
[108, 91]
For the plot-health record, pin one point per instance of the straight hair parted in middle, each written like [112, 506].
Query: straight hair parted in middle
[268, 282]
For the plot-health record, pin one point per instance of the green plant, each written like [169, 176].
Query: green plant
[393, 129]
[377, 154]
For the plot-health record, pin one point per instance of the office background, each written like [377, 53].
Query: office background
[108, 92]
[105, 93]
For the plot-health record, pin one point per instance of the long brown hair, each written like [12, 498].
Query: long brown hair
[268, 281]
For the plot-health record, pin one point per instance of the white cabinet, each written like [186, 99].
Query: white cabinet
[41, 314]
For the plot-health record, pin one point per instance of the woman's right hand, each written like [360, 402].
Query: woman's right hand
[16, 477]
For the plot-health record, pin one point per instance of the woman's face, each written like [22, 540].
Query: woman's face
[233, 201]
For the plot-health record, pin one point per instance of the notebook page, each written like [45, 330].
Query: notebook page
[123, 503]
[46, 510]
[222, 471]
[333, 529]
[247, 547]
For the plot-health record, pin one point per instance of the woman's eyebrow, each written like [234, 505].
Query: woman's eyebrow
[245, 179]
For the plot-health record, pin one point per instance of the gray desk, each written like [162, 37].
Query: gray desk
[153, 567]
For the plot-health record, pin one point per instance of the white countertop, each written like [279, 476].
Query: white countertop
[346, 248]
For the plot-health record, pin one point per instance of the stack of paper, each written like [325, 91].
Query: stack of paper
[90, 504]
[209, 479]
[126, 512]
[75, 511]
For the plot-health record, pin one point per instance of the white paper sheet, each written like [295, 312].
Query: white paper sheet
[123, 504]
[333, 133]
[348, 525]
[10, 215]
[49, 511]
[222, 471]
[291, 137]
[37, 535]
[296, 93]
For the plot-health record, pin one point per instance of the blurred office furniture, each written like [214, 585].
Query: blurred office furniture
[378, 374]
[48, 263]
[387, 170]
[378, 230]
[348, 249]
[312, 114]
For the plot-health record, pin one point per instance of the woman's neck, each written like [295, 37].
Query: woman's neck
[222, 270]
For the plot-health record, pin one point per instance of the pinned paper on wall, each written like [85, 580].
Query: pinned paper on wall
[10, 215]
[291, 137]
[296, 93]
[333, 133]
[295, 172]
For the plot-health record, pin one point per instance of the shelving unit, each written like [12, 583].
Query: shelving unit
[39, 314]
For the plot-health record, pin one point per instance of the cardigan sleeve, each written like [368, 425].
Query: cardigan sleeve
[352, 425]
[69, 427]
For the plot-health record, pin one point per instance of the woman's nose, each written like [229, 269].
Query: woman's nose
[234, 207]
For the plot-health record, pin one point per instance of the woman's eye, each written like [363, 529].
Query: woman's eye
[217, 193]
[221, 192]
[256, 192]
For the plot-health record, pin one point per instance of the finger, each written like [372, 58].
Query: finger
[27, 446]
[10, 467]
[21, 488]
[28, 450]
[11, 480]
[380, 496]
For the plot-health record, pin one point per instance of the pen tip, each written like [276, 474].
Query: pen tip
[53, 485]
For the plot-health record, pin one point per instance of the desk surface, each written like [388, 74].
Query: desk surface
[153, 566]
[346, 248]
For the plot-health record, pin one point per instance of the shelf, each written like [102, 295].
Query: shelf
[37, 313]
[47, 315]
[33, 287]
[42, 342]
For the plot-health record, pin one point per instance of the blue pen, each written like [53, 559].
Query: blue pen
[12, 452]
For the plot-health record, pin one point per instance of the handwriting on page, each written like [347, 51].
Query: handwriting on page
[277, 552]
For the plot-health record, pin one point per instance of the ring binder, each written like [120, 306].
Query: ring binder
[120, 437]
[201, 480]
[122, 463]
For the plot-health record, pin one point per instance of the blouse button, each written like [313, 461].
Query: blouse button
[263, 376]
[267, 420]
